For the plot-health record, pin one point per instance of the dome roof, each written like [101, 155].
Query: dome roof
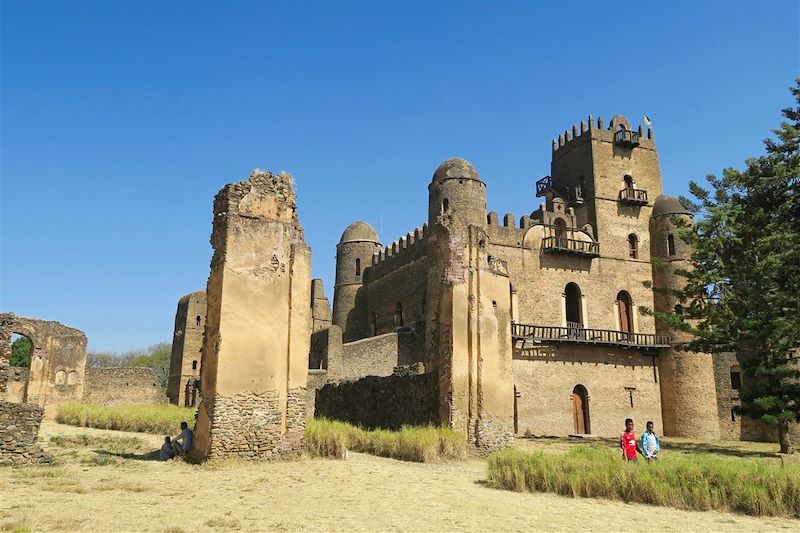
[456, 168]
[668, 205]
[359, 231]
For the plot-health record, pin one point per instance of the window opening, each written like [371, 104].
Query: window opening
[572, 294]
[194, 365]
[633, 246]
[670, 244]
[358, 266]
[398, 315]
[736, 377]
[197, 320]
[624, 306]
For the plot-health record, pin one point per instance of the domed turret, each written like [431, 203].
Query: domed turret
[354, 253]
[457, 191]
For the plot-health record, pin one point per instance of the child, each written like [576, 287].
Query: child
[166, 452]
[627, 441]
[650, 443]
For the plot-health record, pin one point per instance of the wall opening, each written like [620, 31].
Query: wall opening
[197, 320]
[628, 182]
[21, 350]
[194, 365]
[624, 311]
[373, 324]
[670, 244]
[72, 378]
[61, 377]
[572, 294]
[398, 316]
[633, 246]
[580, 410]
[445, 205]
[560, 228]
[358, 266]
[736, 377]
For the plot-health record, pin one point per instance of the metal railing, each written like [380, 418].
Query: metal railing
[570, 246]
[633, 196]
[626, 137]
[575, 332]
[543, 184]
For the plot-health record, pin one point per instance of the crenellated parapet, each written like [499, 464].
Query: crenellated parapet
[402, 251]
[619, 131]
[508, 233]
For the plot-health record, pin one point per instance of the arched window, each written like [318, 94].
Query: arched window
[358, 266]
[736, 377]
[572, 295]
[628, 181]
[194, 365]
[61, 377]
[560, 228]
[633, 246]
[580, 410]
[624, 305]
[670, 244]
[445, 205]
[72, 378]
[398, 315]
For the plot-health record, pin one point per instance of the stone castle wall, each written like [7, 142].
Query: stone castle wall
[19, 428]
[17, 384]
[122, 385]
[187, 341]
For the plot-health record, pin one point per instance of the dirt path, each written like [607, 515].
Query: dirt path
[117, 488]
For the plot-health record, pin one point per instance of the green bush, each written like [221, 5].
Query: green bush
[698, 481]
[330, 438]
[161, 419]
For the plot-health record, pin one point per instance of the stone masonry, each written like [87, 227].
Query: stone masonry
[258, 324]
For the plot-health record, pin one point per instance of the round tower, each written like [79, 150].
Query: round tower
[688, 392]
[458, 193]
[354, 253]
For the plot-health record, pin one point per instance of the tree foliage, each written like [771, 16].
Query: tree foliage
[743, 290]
[20, 352]
[156, 357]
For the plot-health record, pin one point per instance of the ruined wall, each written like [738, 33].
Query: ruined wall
[122, 386]
[17, 384]
[58, 359]
[546, 376]
[320, 307]
[187, 341]
[258, 324]
[387, 402]
[19, 429]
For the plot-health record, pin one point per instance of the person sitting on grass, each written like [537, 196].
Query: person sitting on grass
[183, 442]
[650, 443]
[627, 441]
[166, 452]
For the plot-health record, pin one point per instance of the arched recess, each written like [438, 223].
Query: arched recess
[573, 305]
[580, 410]
[625, 311]
[398, 316]
[560, 228]
[633, 246]
[628, 179]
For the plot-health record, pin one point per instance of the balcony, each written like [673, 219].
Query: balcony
[543, 185]
[575, 333]
[633, 196]
[626, 138]
[563, 245]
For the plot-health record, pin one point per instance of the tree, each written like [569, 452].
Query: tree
[156, 357]
[743, 290]
[20, 352]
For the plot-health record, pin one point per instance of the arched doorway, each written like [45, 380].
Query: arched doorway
[560, 228]
[580, 410]
[572, 296]
[624, 305]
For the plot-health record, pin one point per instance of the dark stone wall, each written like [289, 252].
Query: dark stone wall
[19, 427]
[381, 402]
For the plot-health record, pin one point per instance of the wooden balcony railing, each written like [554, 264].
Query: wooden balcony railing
[576, 333]
[570, 246]
[633, 196]
[626, 138]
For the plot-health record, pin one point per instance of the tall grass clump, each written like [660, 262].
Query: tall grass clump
[160, 419]
[697, 482]
[330, 438]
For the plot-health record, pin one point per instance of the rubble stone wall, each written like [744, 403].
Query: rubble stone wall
[19, 428]
[120, 386]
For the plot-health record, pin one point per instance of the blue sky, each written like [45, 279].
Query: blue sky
[121, 120]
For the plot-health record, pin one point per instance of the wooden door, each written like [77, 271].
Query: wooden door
[577, 413]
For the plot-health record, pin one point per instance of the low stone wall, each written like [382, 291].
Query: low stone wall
[19, 428]
[381, 402]
[118, 386]
[17, 384]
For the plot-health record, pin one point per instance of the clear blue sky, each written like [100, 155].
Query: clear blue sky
[121, 120]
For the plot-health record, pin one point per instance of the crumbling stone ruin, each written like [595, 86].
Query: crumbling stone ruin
[187, 343]
[258, 324]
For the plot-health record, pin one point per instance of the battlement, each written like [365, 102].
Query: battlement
[619, 131]
[404, 250]
[492, 220]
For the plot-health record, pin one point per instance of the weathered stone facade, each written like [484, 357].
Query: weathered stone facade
[19, 428]
[122, 386]
[187, 342]
[258, 324]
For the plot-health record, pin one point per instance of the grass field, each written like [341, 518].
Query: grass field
[161, 419]
[106, 480]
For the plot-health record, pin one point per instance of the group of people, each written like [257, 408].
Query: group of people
[177, 446]
[649, 447]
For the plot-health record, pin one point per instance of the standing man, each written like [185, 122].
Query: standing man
[627, 441]
[650, 443]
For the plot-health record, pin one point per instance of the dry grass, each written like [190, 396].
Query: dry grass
[161, 419]
[330, 438]
[363, 493]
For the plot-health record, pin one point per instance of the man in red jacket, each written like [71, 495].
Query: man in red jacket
[627, 441]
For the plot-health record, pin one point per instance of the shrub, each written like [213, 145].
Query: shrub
[162, 419]
[698, 481]
[330, 438]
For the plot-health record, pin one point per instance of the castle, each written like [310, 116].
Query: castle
[530, 326]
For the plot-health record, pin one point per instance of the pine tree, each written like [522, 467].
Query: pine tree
[742, 293]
